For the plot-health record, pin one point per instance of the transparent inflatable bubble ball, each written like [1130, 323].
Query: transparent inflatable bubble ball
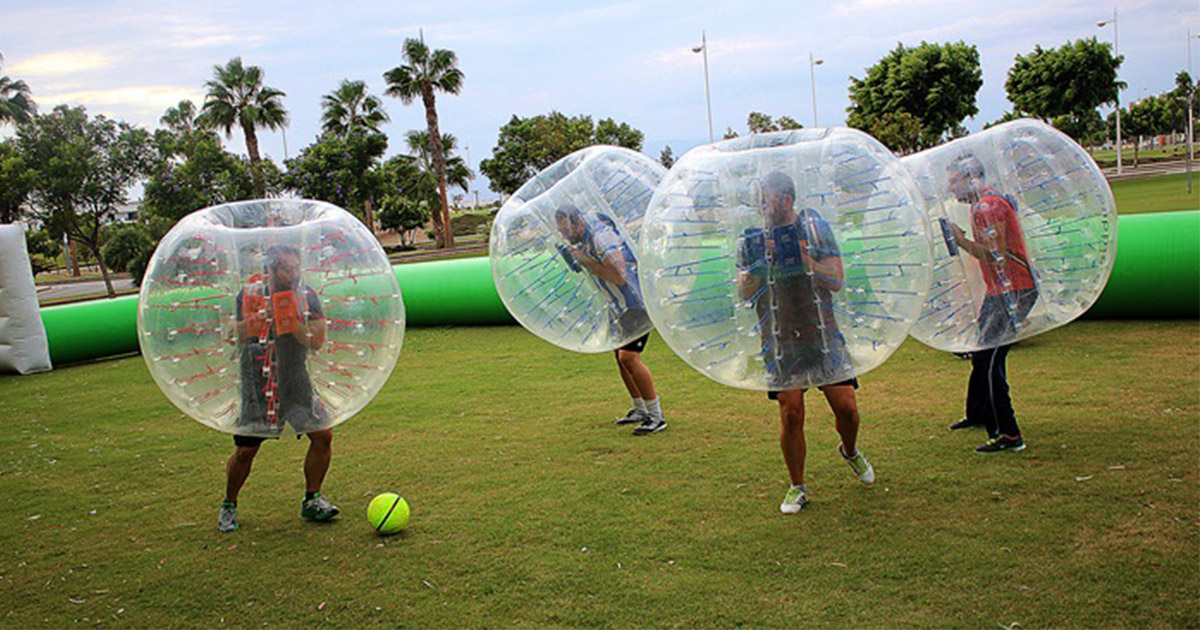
[1025, 235]
[263, 317]
[564, 249]
[786, 260]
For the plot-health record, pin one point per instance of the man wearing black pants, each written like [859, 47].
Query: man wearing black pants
[999, 246]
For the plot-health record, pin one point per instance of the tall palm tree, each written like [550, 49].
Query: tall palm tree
[181, 118]
[16, 106]
[350, 107]
[458, 174]
[236, 96]
[425, 73]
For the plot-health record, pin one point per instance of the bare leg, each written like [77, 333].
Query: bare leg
[237, 469]
[845, 412]
[627, 378]
[791, 436]
[316, 462]
[643, 381]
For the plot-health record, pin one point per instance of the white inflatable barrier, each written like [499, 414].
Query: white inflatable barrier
[23, 347]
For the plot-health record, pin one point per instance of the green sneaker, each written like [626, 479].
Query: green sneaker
[859, 464]
[227, 521]
[318, 508]
[794, 501]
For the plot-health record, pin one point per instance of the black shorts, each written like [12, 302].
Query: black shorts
[853, 382]
[637, 345]
[254, 441]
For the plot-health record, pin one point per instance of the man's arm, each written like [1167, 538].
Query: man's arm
[313, 328]
[993, 239]
[827, 270]
[611, 269]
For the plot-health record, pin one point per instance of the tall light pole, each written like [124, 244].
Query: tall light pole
[1191, 99]
[812, 77]
[1116, 53]
[703, 48]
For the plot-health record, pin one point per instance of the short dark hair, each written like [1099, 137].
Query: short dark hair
[276, 253]
[966, 164]
[569, 212]
[778, 182]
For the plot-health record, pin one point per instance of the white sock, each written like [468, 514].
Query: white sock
[800, 486]
[652, 408]
[639, 404]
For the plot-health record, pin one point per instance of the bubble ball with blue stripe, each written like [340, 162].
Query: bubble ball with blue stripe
[564, 249]
[786, 260]
[1025, 235]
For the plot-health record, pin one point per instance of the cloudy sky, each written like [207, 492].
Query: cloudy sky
[632, 61]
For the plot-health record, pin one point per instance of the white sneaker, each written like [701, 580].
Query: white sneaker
[794, 500]
[859, 464]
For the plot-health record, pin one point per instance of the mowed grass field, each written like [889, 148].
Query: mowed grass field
[530, 508]
[1164, 193]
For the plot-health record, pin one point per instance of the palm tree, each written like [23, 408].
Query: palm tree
[15, 104]
[181, 118]
[237, 96]
[458, 174]
[350, 108]
[424, 74]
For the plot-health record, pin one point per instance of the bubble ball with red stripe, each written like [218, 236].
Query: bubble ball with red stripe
[267, 317]
[1025, 235]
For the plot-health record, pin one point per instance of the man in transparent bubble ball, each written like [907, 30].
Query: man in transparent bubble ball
[789, 270]
[594, 244]
[279, 321]
[999, 247]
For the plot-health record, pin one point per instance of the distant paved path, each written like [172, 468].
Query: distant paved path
[76, 289]
[1150, 170]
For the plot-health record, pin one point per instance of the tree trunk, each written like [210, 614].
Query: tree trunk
[73, 254]
[439, 163]
[1137, 143]
[108, 285]
[370, 215]
[252, 149]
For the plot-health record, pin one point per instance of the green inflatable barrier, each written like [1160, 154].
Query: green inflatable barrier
[1156, 276]
[1157, 271]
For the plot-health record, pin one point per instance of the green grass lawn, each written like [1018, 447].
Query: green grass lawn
[530, 508]
[1109, 157]
[1165, 193]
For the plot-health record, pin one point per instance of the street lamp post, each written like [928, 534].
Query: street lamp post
[812, 77]
[1116, 53]
[1191, 98]
[703, 48]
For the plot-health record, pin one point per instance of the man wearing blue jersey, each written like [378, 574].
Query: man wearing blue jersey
[790, 269]
[594, 244]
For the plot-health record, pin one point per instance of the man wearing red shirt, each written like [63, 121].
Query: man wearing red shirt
[999, 246]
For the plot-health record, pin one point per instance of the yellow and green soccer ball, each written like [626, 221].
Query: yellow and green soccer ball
[388, 513]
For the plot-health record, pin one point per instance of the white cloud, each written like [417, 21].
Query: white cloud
[61, 62]
[142, 97]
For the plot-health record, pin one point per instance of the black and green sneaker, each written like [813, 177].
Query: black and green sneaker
[318, 508]
[1001, 443]
[227, 520]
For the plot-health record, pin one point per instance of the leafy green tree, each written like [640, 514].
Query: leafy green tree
[901, 132]
[1086, 127]
[528, 145]
[129, 248]
[730, 134]
[350, 109]
[667, 157]
[1006, 117]
[758, 122]
[44, 251]
[408, 196]
[16, 104]
[16, 180]
[787, 122]
[340, 170]
[609, 131]
[84, 168]
[1069, 80]
[425, 73]
[237, 97]
[935, 84]
[198, 173]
